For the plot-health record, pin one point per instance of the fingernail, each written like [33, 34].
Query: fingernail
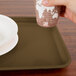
[45, 2]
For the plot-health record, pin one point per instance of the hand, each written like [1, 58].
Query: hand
[70, 12]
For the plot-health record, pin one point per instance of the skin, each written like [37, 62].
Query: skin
[70, 10]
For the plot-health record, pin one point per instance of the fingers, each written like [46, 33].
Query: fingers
[54, 2]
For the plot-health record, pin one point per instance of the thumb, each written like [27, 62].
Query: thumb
[54, 2]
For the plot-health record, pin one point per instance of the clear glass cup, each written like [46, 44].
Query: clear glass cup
[46, 16]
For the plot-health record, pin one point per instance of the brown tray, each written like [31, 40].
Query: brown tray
[38, 48]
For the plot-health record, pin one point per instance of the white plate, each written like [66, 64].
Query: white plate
[9, 46]
[8, 29]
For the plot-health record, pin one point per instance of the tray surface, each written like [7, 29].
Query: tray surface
[38, 48]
